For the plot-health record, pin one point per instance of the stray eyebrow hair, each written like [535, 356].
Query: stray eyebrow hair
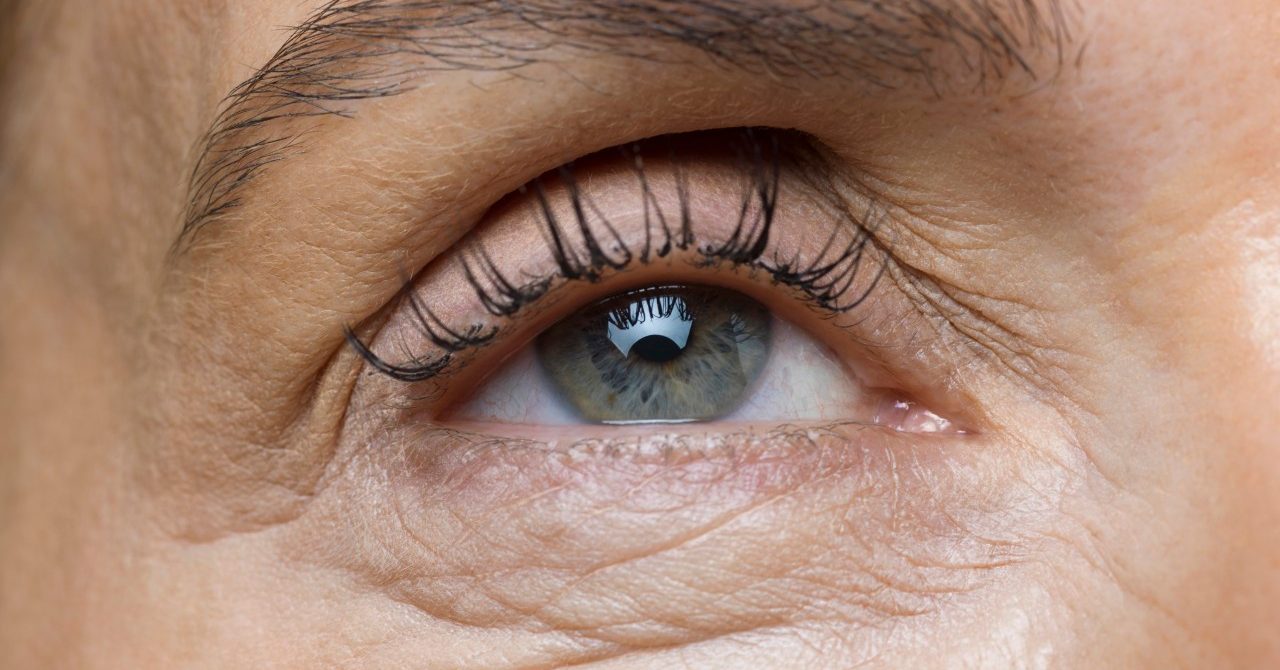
[354, 50]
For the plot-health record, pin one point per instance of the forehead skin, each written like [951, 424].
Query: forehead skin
[1146, 223]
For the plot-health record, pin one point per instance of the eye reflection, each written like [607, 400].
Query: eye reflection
[661, 354]
[655, 325]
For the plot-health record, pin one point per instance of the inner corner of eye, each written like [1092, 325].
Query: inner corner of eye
[682, 354]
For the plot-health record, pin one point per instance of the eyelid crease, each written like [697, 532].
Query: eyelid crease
[829, 280]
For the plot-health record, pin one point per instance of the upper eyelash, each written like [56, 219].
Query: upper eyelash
[448, 339]
[825, 280]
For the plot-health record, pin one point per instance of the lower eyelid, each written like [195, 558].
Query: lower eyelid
[484, 467]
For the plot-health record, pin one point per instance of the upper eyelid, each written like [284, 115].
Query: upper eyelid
[833, 279]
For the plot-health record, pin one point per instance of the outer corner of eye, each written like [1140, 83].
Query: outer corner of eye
[683, 354]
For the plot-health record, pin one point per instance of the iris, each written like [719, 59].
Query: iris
[668, 353]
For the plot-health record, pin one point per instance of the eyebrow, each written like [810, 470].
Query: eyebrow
[350, 51]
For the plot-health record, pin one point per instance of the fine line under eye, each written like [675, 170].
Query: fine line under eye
[585, 245]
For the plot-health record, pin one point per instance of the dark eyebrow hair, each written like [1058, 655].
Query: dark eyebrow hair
[353, 50]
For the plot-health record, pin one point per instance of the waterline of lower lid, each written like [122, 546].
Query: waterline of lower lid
[648, 422]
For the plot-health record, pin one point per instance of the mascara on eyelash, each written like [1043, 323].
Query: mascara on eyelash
[826, 280]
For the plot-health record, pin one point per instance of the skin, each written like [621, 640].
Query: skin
[195, 472]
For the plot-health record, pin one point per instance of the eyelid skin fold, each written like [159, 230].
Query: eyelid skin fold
[731, 222]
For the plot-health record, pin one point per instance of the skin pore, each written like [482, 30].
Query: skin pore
[1076, 210]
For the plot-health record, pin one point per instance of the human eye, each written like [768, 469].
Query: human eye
[683, 354]
[720, 279]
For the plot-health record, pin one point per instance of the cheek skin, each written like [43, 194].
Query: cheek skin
[1260, 280]
[1216, 406]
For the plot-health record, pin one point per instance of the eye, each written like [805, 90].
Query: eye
[747, 311]
[680, 354]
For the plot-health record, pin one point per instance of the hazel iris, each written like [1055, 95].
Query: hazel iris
[670, 353]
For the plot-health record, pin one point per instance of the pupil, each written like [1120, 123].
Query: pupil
[656, 348]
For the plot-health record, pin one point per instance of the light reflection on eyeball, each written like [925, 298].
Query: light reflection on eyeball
[672, 354]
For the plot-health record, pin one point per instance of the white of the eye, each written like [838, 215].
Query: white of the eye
[671, 327]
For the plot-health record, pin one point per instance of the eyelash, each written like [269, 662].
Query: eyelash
[826, 280]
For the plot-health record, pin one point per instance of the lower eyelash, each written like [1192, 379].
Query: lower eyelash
[827, 280]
